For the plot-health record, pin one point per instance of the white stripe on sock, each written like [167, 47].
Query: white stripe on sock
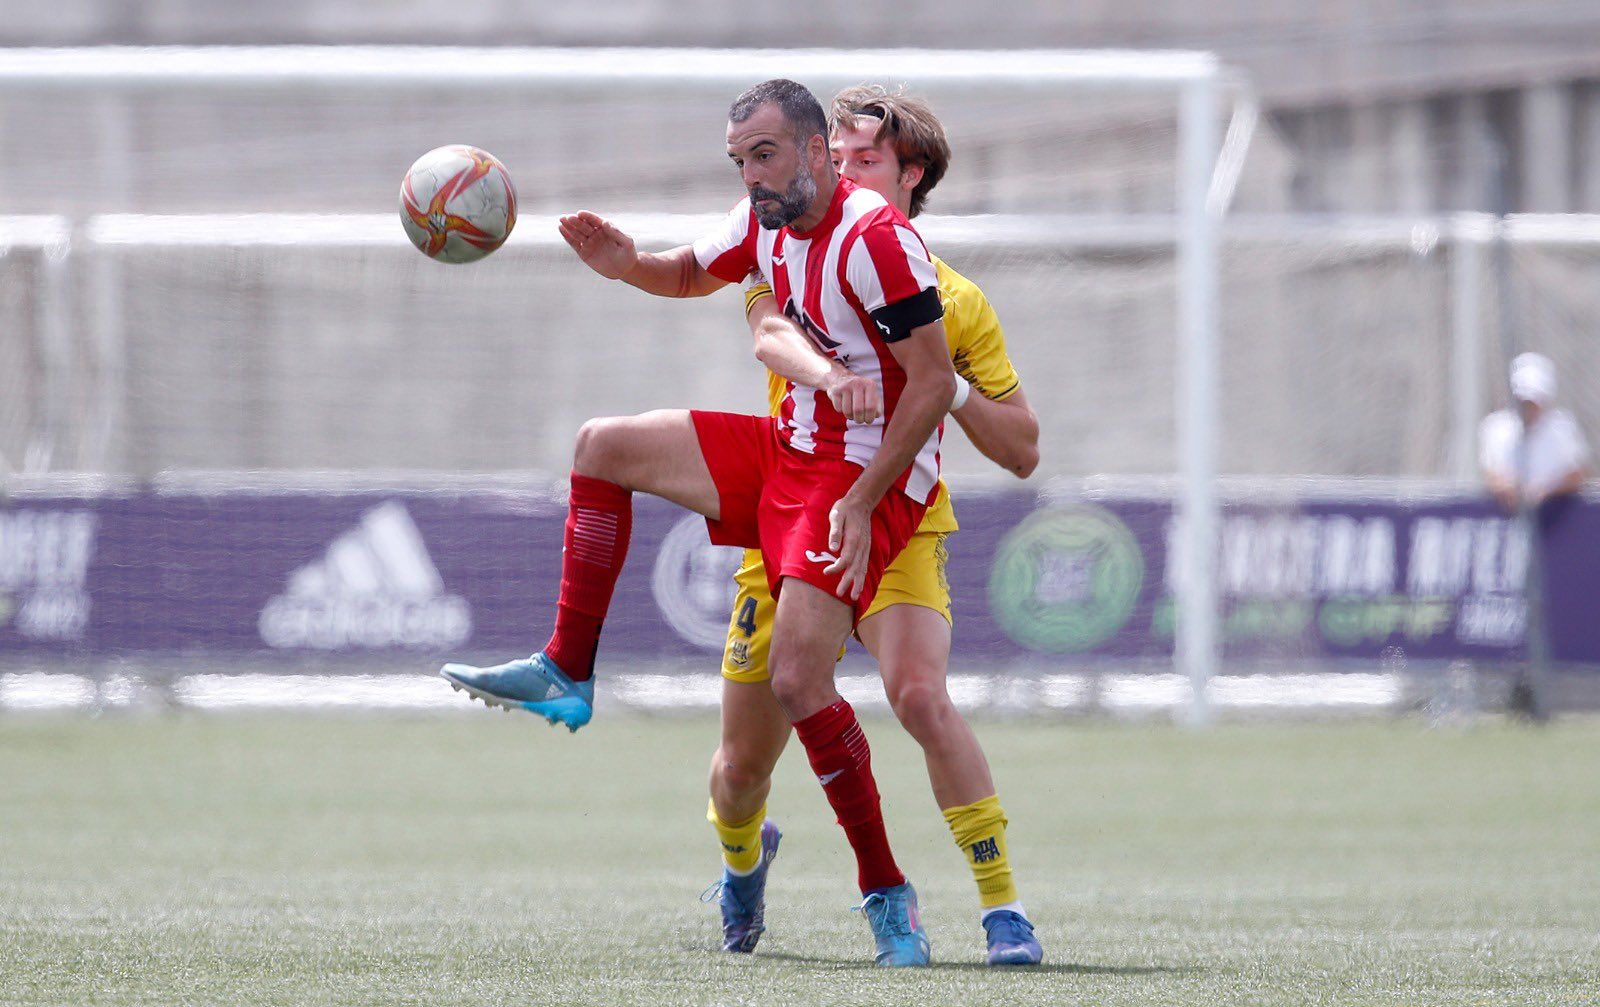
[742, 874]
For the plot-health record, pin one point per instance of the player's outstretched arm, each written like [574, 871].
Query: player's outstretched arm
[786, 352]
[609, 251]
[925, 399]
[1006, 432]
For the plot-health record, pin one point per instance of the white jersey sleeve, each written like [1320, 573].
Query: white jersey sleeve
[892, 276]
[729, 253]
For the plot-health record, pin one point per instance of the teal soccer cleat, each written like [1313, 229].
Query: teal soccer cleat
[533, 683]
[1011, 940]
[897, 927]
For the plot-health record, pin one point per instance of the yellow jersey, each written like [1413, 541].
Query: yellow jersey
[977, 351]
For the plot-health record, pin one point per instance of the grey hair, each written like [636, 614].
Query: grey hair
[799, 106]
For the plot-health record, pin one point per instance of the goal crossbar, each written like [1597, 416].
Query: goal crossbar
[430, 67]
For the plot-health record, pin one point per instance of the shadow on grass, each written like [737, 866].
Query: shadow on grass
[1063, 968]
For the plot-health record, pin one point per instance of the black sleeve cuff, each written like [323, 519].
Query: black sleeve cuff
[895, 321]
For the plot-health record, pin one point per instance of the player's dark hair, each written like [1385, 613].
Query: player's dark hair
[907, 123]
[799, 106]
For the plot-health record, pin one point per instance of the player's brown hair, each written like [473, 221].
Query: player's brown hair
[907, 122]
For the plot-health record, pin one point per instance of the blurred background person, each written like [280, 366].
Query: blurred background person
[1532, 453]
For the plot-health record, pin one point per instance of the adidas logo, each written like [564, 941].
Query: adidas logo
[374, 587]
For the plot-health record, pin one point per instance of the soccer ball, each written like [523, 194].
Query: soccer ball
[457, 204]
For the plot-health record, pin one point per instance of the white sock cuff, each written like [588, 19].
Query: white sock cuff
[1015, 907]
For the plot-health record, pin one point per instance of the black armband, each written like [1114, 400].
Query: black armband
[895, 321]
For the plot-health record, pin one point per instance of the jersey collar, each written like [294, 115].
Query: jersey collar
[841, 192]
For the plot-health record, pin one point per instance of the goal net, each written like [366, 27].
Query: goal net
[343, 448]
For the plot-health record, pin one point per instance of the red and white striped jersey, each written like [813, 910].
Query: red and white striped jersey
[858, 281]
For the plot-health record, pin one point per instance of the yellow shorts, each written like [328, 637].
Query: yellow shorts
[916, 577]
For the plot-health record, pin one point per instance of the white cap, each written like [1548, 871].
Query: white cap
[1533, 378]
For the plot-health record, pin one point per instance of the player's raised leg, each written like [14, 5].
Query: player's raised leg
[912, 645]
[658, 453]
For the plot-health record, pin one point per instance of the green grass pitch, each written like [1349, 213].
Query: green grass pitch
[485, 859]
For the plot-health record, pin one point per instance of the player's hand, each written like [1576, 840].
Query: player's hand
[858, 398]
[600, 244]
[850, 539]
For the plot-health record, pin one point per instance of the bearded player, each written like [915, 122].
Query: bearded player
[828, 501]
[893, 144]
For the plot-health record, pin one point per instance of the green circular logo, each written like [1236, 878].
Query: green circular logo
[1066, 579]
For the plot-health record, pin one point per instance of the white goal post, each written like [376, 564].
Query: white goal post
[1193, 82]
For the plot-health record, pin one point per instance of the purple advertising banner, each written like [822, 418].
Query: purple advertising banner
[472, 575]
[1311, 579]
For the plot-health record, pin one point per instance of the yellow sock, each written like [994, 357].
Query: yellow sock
[741, 841]
[980, 830]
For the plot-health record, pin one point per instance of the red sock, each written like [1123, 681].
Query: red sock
[839, 756]
[599, 520]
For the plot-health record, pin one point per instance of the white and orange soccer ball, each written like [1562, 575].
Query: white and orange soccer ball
[457, 203]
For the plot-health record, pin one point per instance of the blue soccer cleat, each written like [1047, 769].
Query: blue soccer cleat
[897, 926]
[533, 683]
[1011, 940]
[744, 898]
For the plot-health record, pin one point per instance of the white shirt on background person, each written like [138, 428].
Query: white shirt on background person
[1555, 448]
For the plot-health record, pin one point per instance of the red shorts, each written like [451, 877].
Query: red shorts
[777, 499]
